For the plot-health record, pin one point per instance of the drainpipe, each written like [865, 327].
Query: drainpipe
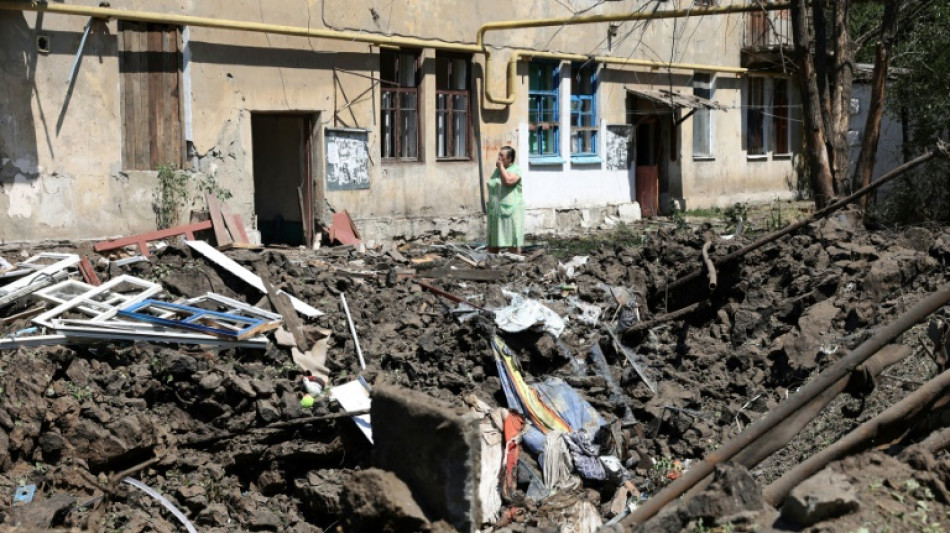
[205, 22]
[624, 17]
[518, 54]
[186, 94]
[478, 48]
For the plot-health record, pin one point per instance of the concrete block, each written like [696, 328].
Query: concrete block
[821, 497]
[629, 213]
[432, 447]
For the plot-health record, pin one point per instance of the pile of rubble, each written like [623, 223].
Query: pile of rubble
[436, 387]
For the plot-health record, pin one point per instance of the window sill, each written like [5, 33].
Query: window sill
[704, 157]
[586, 160]
[757, 157]
[400, 161]
[454, 160]
[782, 156]
[546, 160]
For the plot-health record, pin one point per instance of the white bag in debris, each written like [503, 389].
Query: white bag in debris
[569, 270]
[523, 313]
[584, 312]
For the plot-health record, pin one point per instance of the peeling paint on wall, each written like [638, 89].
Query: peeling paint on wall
[23, 192]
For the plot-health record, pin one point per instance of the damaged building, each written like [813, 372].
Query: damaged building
[392, 113]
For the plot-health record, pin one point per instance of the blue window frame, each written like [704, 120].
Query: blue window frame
[583, 111]
[543, 111]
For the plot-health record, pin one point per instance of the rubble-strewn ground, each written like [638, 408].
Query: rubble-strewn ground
[73, 416]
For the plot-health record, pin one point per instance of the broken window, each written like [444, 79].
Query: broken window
[584, 110]
[149, 80]
[703, 87]
[755, 117]
[400, 73]
[452, 104]
[780, 118]
[543, 112]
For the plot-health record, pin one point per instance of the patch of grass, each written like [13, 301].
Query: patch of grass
[564, 248]
[704, 212]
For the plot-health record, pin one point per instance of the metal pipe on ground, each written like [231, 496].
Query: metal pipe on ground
[803, 397]
[776, 439]
[817, 215]
[710, 267]
[647, 324]
[861, 438]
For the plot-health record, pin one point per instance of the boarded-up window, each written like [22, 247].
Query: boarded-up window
[149, 67]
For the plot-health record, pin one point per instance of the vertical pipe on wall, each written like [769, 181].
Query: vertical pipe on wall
[186, 94]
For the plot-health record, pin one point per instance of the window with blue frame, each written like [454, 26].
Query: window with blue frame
[543, 115]
[584, 111]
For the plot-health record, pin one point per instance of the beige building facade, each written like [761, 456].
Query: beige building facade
[392, 111]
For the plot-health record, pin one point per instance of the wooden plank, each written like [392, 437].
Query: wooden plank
[463, 274]
[217, 221]
[88, 273]
[125, 88]
[281, 303]
[154, 92]
[240, 246]
[140, 97]
[172, 95]
[239, 227]
[142, 239]
[23, 314]
[249, 277]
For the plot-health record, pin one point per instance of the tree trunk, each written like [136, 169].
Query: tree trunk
[841, 78]
[816, 150]
[872, 127]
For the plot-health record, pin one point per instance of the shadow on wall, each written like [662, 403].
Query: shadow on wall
[18, 148]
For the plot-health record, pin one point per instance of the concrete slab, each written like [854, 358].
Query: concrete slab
[434, 448]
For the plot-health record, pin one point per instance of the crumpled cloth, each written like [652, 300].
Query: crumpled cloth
[585, 455]
[557, 462]
[524, 313]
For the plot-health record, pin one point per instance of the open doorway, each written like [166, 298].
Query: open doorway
[283, 177]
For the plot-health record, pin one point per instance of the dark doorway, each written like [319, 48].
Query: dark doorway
[283, 180]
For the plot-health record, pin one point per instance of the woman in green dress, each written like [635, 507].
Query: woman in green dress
[505, 204]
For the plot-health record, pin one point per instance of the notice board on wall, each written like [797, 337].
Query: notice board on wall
[347, 155]
[619, 141]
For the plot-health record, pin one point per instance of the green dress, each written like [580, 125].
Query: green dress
[505, 211]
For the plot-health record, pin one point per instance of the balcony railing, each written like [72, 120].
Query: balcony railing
[767, 29]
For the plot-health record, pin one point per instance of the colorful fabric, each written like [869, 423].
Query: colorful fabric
[522, 398]
[505, 211]
[514, 423]
[574, 410]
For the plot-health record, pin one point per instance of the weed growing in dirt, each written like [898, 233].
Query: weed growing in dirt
[171, 195]
[734, 213]
[80, 393]
[174, 194]
[665, 470]
[775, 220]
[678, 217]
